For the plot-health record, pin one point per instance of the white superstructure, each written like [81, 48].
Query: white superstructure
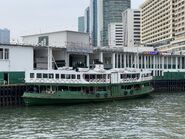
[16, 58]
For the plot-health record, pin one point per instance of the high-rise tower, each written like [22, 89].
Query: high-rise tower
[104, 12]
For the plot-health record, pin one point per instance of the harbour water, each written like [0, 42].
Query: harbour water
[159, 116]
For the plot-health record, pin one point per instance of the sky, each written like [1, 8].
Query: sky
[25, 17]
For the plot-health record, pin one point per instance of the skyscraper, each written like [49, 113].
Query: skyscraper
[81, 24]
[93, 21]
[86, 20]
[4, 36]
[103, 13]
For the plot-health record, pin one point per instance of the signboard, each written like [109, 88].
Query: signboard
[151, 52]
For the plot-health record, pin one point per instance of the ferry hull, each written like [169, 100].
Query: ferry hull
[33, 99]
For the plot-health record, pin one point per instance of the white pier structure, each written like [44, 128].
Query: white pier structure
[140, 57]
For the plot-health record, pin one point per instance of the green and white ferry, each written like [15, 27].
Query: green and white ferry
[67, 86]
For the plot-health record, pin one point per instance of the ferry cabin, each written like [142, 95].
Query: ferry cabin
[86, 81]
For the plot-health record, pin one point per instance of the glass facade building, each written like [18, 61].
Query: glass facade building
[93, 21]
[81, 24]
[86, 20]
[104, 12]
[112, 12]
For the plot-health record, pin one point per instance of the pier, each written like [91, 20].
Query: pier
[11, 95]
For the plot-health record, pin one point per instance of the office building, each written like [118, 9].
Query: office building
[93, 21]
[87, 20]
[103, 13]
[115, 34]
[157, 22]
[131, 28]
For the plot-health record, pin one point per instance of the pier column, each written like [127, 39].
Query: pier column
[159, 62]
[101, 57]
[176, 62]
[163, 62]
[67, 60]
[135, 60]
[154, 62]
[167, 62]
[50, 55]
[132, 61]
[113, 60]
[141, 61]
[144, 62]
[125, 60]
[171, 62]
[121, 59]
[180, 62]
[87, 60]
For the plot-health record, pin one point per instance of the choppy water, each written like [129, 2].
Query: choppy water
[161, 116]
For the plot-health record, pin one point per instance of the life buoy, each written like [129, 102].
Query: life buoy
[97, 95]
[131, 92]
[105, 95]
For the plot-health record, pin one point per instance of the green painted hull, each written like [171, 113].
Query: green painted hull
[68, 98]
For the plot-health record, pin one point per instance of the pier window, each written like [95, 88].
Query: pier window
[6, 54]
[39, 75]
[32, 75]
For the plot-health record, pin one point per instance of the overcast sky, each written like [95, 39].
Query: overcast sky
[24, 17]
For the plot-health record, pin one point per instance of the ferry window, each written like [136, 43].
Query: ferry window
[57, 76]
[67, 76]
[78, 76]
[31, 75]
[63, 88]
[92, 76]
[104, 76]
[129, 87]
[45, 75]
[101, 89]
[123, 87]
[73, 76]
[62, 76]
[128, 76]
[39, 75]
[74, 88]
[6, 54]
[1, 53]
[109, 76]
[99, 76]
[86, 76]
[51, 76]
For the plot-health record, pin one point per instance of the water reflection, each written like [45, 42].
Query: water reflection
[158, 116]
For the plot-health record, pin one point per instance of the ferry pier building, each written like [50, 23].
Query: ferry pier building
[68, 48]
